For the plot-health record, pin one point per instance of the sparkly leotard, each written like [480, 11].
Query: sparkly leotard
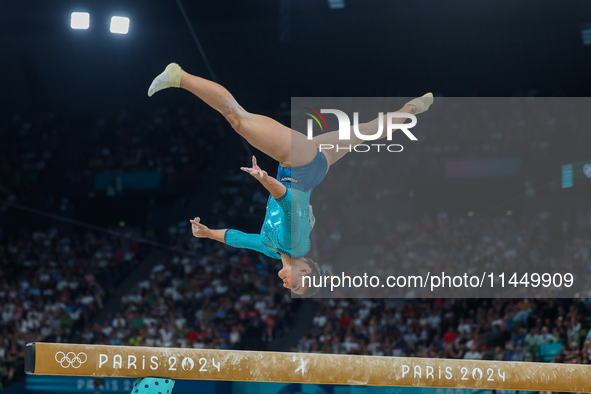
[289, 219]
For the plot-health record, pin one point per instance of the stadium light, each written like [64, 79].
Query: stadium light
[334, 4]
[80, 20]
[119, 25]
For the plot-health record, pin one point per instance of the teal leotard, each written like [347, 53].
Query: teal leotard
[289, 219]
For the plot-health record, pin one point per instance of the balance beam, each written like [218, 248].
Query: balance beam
[250, 366]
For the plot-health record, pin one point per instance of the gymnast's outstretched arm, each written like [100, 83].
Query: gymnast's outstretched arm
[234, 238]
[202, 231]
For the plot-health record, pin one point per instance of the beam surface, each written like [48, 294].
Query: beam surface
[249, 366]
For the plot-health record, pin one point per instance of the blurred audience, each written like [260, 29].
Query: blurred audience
[52, 283]
[209, 301]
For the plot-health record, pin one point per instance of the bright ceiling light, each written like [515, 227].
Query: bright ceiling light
[80, 20]
[119, 25]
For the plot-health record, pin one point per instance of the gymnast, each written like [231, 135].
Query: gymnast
[302, 166]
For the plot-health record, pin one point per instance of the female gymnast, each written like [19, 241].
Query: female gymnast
[302, 166]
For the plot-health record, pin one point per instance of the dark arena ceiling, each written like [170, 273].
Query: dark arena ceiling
[270, 50]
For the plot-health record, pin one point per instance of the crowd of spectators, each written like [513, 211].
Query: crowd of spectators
[178, 143]
[63, 155]
[52, 283]
[461, 244]
[516, 329]
[183, 144]
[28, 147]
[544, 132]
[489, 329]
[208, 296]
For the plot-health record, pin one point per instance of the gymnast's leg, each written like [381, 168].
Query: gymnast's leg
[289, 148]
[333, 154]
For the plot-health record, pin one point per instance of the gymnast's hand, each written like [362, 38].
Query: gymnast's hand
[276, 188]
[199, 230]
[256, 171]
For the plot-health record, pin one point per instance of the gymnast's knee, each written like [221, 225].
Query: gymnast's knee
[235, 115]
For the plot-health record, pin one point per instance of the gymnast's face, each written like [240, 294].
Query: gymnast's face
[292, 273]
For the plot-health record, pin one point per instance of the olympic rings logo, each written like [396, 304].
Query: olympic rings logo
[71, 359]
